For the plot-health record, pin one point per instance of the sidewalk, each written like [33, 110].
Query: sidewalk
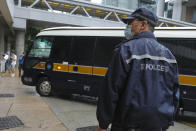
[28, 106]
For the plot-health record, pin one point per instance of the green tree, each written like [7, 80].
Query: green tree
[30, 35]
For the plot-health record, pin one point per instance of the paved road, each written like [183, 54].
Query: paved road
[27, 106]
[78, 112]
[74, 113]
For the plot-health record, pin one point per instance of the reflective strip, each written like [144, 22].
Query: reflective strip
[81, 69]
[88, 70]
[40, 65]
[189, 99]
[99, 71]
[60, 67]
[187, 80]
[191, 124]
[139, 57]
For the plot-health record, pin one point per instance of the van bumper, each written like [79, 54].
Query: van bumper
[27, 80]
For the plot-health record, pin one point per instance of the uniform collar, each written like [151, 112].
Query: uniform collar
[146, 34]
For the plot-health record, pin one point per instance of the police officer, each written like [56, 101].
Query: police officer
[140, 90]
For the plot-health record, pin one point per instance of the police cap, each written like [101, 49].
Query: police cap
[142, 14]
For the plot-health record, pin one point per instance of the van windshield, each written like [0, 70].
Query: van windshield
[41, 47]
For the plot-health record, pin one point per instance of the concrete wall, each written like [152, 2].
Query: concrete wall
[9, 42]
[177, 10]
[11, 5]
[184, 8]
[2, 42]
[189, 14]
[20, 23]
[128, 4]
[160, 7]
[37, 15]
[5, 13]
[20, 39]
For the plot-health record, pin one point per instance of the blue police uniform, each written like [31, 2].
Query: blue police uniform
[140, 90]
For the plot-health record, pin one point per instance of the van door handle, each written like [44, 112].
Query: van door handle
[75, 68]
[71, 80]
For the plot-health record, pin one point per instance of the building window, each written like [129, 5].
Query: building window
[168, 9]
[128, 4]
[149, 4]
[194, 16]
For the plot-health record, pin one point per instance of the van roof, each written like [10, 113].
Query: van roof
[161, 32]
[83, 28]
[115, 28]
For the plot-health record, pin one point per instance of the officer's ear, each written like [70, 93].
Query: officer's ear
[144, 24]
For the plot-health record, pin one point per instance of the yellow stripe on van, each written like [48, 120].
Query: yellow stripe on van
[191, 124]
[99, 71]
[40, 65]
[60, 67]
[81, 69]
[187, 80]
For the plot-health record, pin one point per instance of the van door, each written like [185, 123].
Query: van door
[185, 52]
[58, 65]
[36, 59]
[80, 64]
[103, 55]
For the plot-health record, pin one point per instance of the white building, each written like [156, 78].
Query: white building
[16, 15]
[184, 10]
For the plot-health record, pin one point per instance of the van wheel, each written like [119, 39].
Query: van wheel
[177, 115]
[44, 87]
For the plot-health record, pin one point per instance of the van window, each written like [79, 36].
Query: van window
[104, 49]
[184, 51]
[61, 49]
[82, 50]
[41, 47]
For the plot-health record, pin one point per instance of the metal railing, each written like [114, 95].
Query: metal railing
[91, 10]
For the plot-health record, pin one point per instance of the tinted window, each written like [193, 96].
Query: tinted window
[82, 50]
[61, 48]
[104, 49]
[41, 47]
[184, 51]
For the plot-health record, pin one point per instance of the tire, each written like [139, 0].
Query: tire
[44, 87]
[177, 115]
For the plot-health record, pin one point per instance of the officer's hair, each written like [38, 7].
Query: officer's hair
[150, 26]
